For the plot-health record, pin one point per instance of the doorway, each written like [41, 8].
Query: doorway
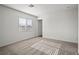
[40, 28]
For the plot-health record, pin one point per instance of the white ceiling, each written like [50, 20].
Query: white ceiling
[41, 9]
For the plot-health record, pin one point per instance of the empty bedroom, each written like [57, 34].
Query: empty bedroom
[38, 29]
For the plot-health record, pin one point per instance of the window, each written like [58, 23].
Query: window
[22, 22]
[29, 23]
[25, 24]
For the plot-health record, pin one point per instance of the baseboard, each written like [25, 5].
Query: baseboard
[18, 41]
[61, 40]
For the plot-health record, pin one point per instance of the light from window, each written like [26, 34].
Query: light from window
[22, 22]
[29, 23]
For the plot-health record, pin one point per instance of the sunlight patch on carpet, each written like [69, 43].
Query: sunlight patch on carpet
[47, 47]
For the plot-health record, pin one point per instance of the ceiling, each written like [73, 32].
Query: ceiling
[41, 9]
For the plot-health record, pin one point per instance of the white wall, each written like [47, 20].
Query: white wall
[1, 17]
[10, 29]
[0, 29]
[78, 28]
[39, 27]
[61, 25]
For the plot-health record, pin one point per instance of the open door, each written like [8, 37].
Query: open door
[40, 28]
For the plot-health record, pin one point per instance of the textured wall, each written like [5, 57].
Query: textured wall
[10, 27]
[61, 25]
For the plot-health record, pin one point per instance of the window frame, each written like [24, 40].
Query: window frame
[26, 26]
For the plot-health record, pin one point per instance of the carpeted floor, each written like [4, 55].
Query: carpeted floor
[40, 46]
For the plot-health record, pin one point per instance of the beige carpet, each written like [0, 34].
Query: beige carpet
[47, 47]
[40, 46]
